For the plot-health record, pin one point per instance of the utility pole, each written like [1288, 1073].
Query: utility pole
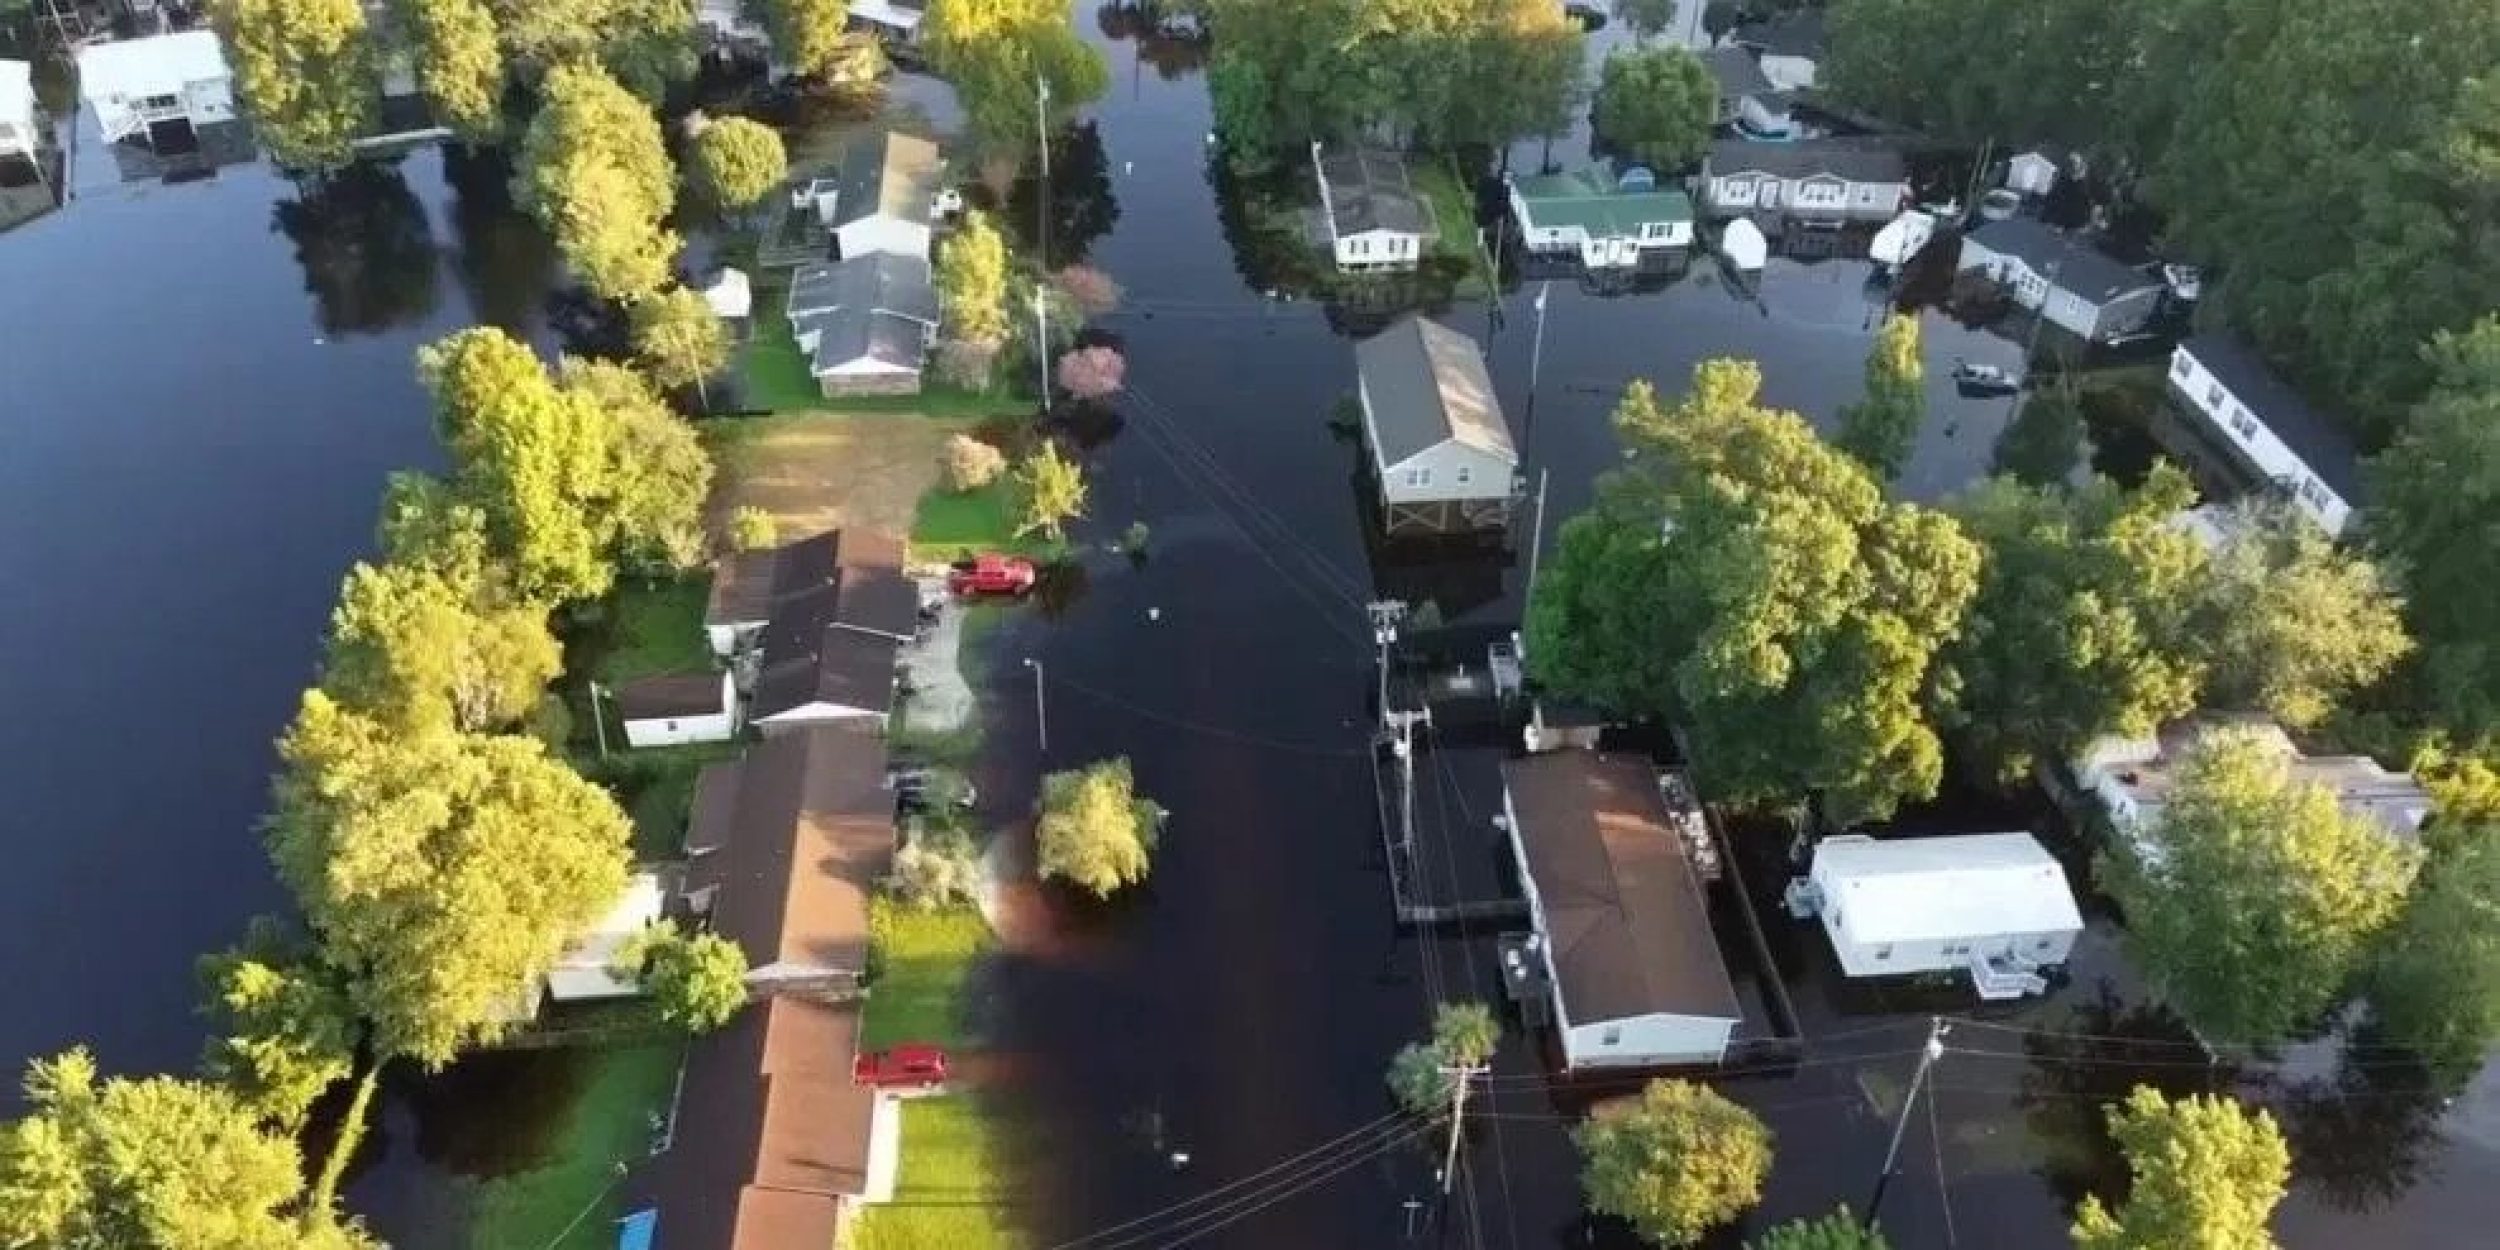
[1459, 1075]
[1385, 614]
[1412, 1206]
[1041, 339]
[1041, 711]
[598, 722]
[1403, 723]
[1536, 533]
[1041, 200]
[1927, 1057]
[1536, 361]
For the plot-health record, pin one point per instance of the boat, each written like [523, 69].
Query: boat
[1984, 379]
[1901, 239]
[1741, 242]
[1999, 204]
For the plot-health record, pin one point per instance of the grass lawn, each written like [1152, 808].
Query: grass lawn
[649, 628]
[777, 380]
[949, 1176]
[922, 961]
[1454, 214]
[656, 787]
[611, 1122]
[948, 524]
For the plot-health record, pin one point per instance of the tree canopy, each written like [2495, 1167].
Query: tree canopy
[644, 44]
[1463, 1036]
[2291, 622]
[306, 70]
[1659, 104]
[2439, 481]
[2435, 983]
[2205, 1174]
[1053, 489]
[530, 455]
[971, 280]
[1836, 1231]
[285, 1030]
[1882, 427]
[697, 980]
[2045, 442]
[418, 651]
[595, 173]
[1095, 832]
[2258, 897]
[657, 474]
[738, 161]
[993, 51]
[1746, 577]
[1675, 1162]
[459, 62]
[816, 39]
[678, 340]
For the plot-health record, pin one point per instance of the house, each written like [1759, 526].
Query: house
[1373, 217]
[2074, 285]
[2272, 433]
[814, 674]
[730, 23]
[799, 834]
[1606, 223]
[883, 198]
[678, 708]
[1747, 98]
[2131, 778]
[161, 89]
[1789, 46]
[770, 1145]
[1811, 181]
[589, 969]
[898, 20]
[1996, 905]
[866, 323]
[21, 128]
[1617, 913]
[1441, 452]
[862, 569]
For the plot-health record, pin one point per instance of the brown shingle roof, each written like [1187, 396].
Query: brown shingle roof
[754, 585]
[811, 833]
[673, 694]
[1627, 920]
[846, 668]
[715, 808]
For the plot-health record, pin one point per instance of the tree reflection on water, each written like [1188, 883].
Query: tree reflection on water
[366, 249]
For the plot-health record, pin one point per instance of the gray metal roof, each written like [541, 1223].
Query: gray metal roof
[880, 280]
[1368, 190]
[1798, 34]
[851, 334]
[2319, 440]
[891, 175]
[1856, 158]
[2081, 268]
[1427, 386]
[1738, 73]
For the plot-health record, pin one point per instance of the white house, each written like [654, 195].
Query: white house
[1619, 916]
[678, 708]
[20, 130]
[1996, 905]
[1374, 218]
[158, 86]
[1441, 451]
[1790, 47]
[884, 198]
[2272, 433]
[2071, 283]
[867, 322]
[2132, 778]
[588, 969]
[1811, 181]
[1606, 223]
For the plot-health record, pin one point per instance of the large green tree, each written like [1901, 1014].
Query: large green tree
[2435, 983]
[2045, 442]
[1882, 427]
[971, 281]
[994, 51]
[533, 458]
[737, 161]
[1658, 104]
[595, 173]
[697, 980]
[2436, 499]
[658, 474]
[2205, 1173]
[306, 70]
[285, 1032]
[1836, 1231]
[1675, 1162]
[421, 652]
[2291, 623]
[644, 44]
[2082, 625]
[1745, 578]
[816, 39]
[2256, 897]
[679, 341]
[1463, 1036]
[1095, 832]
[460, 64]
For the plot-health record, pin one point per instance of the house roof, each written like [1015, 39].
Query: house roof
[809, 836]
[715, 808]
[1736, 70]
[902, 15]
[2081, 268]
[1927, 889]
[1797, 33]
[587, 968]
[864, 566]
[673, 695]
[1627, 922]
[846, 668]
[2148, 768]
[2319, 440]
[879, 281]
[1369, 190]
[771, 1133]
[1857, 158]
[1427, 386]
[847, 336]
[890, 175]
[156, 65]
[1592, 201]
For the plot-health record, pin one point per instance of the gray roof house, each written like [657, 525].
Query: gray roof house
[2074, 285]
[1812, 181]
[1790, 45]
[1441, 450]
[865, 323]
[1747, 97]
[1370, 212]
[2278, 437]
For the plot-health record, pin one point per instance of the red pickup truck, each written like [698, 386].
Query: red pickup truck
[990, 574]
[906, 1065]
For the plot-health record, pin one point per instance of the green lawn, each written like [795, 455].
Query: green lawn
[608, 1125]
[777, 380]
[923, 959]
[648, 628]
[656, 787]
[949, 1195]
[952, 524]
[1454, 215]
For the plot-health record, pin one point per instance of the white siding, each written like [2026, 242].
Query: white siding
[2234, 423]
[893, 235]
[679, 730]
[1820, 197]
[1646, 1041]
[1861, 959]
[1379, 249]
[1451, 471]
[2063, 308]
[813, 714]
[727, 639]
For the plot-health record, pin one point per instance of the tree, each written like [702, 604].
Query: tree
[2205, 1173]
[752, 529]
[657, 475]
[305, 68]
[679, 341]
[2082, 625]
[968, 464]
[418, 651]
[150, 1164]
[1880, 428]
[993, 51]
[1836, 1231]
[1464, 1035]
[2257, 896]
[1743, 576]
[936, 870]
[595, 173]
[739, 161]
[1095, 832]
[1658, 104]
[285, 1030]
[460, 64]
[2292, 623]
[1647, 19]
[814, 36]
[972, 282]
[697, 980]
[533, 457]
[2441, 479]
[2435, 982]
[645, 44]
[1674, 1162]
[2044, 443]
[1092, 373]
[1053, 488]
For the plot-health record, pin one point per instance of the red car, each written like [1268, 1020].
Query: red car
[923, 1066]
[990, 574]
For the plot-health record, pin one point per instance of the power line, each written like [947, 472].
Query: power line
[1218, 731]
[1241, 1209]
[1944, 1188]
[1373, 1127]
[1161, 416]
[2174, 1043]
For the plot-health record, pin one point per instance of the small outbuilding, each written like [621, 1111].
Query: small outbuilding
[1373, 217]
[866, 323]
[1790, 46]
[678, 708]
[21, 131]
[1441, 450]
[161, 89]
[2076, 286]
[2031, 173]
[1747, 98]
[729, 295]
[1607, 223]
[1995, 905]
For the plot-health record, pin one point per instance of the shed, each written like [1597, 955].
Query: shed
[588, 969]
[866, 323]
[1619, 916]
[1441, 450]
[884, 196]
[678, 708]
[1790, 46]
[729, 295]
[2074, 285]
[2275, 436]
[157, 88]
[1374, 218]
[21, 133]
[1605, 223]
[1996, 905]
[2031, 173]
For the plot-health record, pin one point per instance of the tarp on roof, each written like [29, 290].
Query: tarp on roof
[1935, 889]
[635, 1231]
[1428, 386]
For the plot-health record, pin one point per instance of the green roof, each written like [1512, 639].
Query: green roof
[1592, 203]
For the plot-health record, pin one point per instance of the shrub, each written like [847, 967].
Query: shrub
[1095, 832]
[936, 870]
[969, 464]
[967, 365]
[1091, 373]
[1091, 289]
[752, 529]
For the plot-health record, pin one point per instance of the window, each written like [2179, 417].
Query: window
[2313, 491]
[1419, 477]
[1613, 1036]
[2213, 395]
[2243, 424]
[1357, 247]
[1464, 474]
[1883, 952]
[159, 102]
[2181, 366]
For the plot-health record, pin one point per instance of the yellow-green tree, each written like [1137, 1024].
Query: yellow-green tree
[532, 457]
[1095, 832]
[459, 64]
[816, 39]
[423, 653]
[2292, 622]
[971, 281]
[738, 161]
[595, 173]
[1882, 426]
[2205, 1174]
[1676, 1162]
[679, 341]
[306, 70]
[1053, 489]
[657, 474]
[993, 51]
[1464, 1035]
[697, 980]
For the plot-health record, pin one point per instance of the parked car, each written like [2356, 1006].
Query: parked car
[990, 574]
[908, 1065]
[1984, 380]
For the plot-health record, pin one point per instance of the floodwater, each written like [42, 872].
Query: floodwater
[206, 386]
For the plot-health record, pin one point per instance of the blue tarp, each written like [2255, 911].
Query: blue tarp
[635, 1231]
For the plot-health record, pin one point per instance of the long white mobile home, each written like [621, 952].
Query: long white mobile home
[1994, 904]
